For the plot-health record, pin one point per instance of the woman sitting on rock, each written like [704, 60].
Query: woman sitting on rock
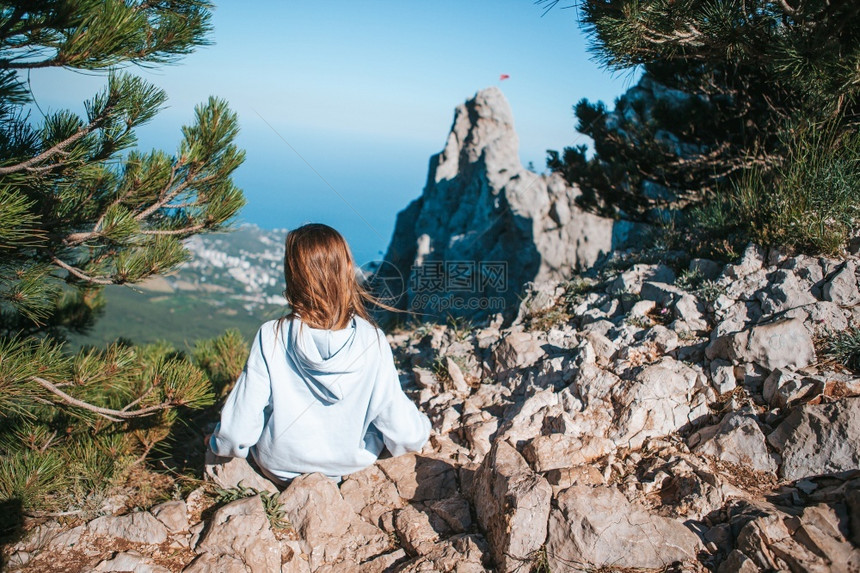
[320, 392]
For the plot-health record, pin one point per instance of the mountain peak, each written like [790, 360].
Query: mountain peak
[481, 209]
[483, 128]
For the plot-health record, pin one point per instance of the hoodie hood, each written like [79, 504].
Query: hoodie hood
[324, 358]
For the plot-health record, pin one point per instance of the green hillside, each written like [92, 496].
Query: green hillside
[179, 318]
[233, 280]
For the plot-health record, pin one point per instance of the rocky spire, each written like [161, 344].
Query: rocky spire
[482, 213]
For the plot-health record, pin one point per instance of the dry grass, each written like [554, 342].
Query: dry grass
[742, 477]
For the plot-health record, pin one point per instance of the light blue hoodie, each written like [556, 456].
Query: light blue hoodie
[314, 400]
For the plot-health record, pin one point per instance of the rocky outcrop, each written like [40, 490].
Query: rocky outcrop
[598, 431]
[484, 225]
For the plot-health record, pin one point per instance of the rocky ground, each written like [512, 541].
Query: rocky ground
[635, 421]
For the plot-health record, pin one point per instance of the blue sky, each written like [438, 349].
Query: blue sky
[365, 93]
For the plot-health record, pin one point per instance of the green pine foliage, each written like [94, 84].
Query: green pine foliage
[82, 207]
[79, 449]
[742, 97]
[222, 359]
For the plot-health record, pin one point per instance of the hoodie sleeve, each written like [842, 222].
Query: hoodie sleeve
[404, 428]
[243, 415]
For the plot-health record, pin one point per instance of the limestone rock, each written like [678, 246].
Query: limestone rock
[478, 431]
[480, 205]
[785, 388]
[138, 527]
[173, 514]
[418, 531]
[819, 439]
[370, 493]
[458, 381]
[420, 478]
[130, 561]
[663, 294]
[330, 531]
[722, 376]
[604, 348]
[813, 540]
[842, 286]
[786, 292]
[707, 268]
[537, 298]
[783, 343]
[631, 280]
[751, 261]
[459, 554]
[222, 563]
[557, 451]
[690, 315]
[512, 504]
[426, 379]
[455, 512]
[736, 439]
[598, 527]
[517, 350]
[658, 402]
[241, 530]
[823, 317]
[229, 472]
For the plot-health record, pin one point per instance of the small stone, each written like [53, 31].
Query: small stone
[229, 473]
[631, 280]
[458, 381]
[738, 440]
[557, 451]
[130, 561]
[706, 267]
[842, 287]
[723, 376]
[173, 514]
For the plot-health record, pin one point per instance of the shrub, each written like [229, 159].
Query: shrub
[810, 202]
[844, 348]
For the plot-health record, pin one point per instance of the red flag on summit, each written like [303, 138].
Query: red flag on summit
[504, 77]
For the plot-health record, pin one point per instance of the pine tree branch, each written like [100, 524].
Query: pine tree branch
[107, 413]
[183, 205]
[79, 273]
[135, 402]
[61, 146]
[48, 442]
[168, 196]
[183, 231]
[7, 64]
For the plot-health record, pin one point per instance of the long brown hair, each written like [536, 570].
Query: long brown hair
[322, 287]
